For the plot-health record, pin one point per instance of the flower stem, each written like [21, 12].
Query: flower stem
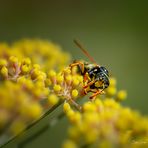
[42, 130]
[34, 123]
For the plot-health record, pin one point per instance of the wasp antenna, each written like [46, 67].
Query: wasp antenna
[84, 51]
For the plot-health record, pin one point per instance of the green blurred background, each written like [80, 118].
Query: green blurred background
[114, 32]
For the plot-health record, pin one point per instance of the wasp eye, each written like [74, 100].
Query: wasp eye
[103, 69]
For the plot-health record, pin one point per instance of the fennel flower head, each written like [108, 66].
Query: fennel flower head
[106, 123]
[26, 76]
[35, 77]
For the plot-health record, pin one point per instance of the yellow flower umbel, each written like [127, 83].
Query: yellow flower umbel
[104, 122]
[22, 90]
[45, 53]
[21, 107]
[67, 85]
[26, 90]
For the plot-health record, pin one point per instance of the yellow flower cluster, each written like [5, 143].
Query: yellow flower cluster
[26, 89]
[17, 107]
[44, 53]
[104, 122]
[67, 85]
[22, 89]
[47, 54]
[111, 91]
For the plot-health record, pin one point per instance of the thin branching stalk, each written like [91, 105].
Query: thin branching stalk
[34, 123]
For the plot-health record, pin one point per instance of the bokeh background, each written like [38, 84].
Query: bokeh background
[114, 32]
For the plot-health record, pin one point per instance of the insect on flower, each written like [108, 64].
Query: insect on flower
[95, 77]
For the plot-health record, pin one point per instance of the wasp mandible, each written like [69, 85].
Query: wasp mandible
[95, 77]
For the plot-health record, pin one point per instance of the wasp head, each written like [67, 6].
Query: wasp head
[100, 74]
[103, 75]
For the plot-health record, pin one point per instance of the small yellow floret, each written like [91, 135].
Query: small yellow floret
[13, 59]
[51, 73]
[48, 82]
[60, 79]
[70, 113]
[4, 71]
[75, 81]
[74, 93]
[53, 99]
[91, 117]
[112, 81]
[111, 103]
[25, 69]
[111, 90]
[75, 118]
[67, 71]
[68, 78]
[98, 104]
[88, 106]
[46, 91]
[41, 76]
[57, 88]
[37, 92]
[21, 79]
[66, 106]
[121, 95]
[29, 84]
[31, 110]
[39, 84]
[35, 73]
[80, 78]
[26, 61]
[35, 110]
[91, 136]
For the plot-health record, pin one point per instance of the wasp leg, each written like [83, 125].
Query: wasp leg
[86, 80]
[96, 92]
[81, 64]
[86, 88]
[89, 84]
[92, 97]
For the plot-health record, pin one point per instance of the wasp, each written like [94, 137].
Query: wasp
[95, 77]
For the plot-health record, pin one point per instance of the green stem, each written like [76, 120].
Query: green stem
[44, 129]
[33, 123]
